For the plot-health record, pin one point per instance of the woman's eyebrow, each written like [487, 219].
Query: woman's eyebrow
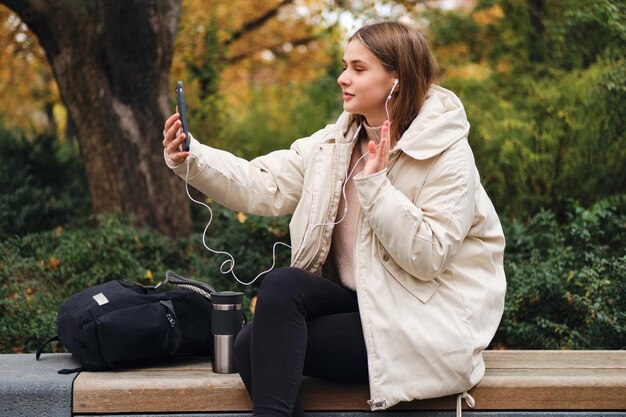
[355, 61]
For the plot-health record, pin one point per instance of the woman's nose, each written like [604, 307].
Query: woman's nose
[343, 80]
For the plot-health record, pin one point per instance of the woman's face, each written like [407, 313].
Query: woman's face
[365, 84]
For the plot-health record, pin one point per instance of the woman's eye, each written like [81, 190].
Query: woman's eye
[356, 69]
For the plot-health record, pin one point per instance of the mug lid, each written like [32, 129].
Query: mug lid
[227, 297]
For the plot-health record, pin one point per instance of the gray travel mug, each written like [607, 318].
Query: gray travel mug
[227, 319]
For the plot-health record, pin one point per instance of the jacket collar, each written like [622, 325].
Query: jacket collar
[440, 123]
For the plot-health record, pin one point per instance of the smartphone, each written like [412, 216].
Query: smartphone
[182, 109]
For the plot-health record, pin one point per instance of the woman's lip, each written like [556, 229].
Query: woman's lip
[347, 96]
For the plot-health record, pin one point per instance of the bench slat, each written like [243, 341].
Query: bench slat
[515, 380]
[554, 359]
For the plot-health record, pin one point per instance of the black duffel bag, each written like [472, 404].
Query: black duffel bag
[123, 324]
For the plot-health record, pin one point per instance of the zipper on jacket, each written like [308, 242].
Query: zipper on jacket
[375, 404]
[309, 232]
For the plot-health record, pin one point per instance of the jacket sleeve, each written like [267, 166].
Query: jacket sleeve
[423, 236]
[269, 185]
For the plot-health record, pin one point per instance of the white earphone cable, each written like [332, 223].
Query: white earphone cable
[228, 266]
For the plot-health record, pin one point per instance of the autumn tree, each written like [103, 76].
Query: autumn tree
[28, 90]
[251, 66]
[111, 61]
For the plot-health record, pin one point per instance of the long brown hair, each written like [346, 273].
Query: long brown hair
[402, 50]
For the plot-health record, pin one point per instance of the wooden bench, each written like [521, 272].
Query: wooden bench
[514, 380]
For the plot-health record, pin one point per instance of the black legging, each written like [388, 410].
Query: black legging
[303, 325]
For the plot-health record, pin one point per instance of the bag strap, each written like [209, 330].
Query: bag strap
[60, 371]
[42, 346]
[71, 371]
[201, 288]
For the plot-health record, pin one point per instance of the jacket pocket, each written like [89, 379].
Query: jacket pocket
[148, 331]
[422, 290]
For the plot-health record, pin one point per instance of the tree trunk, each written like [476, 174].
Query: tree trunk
[111, 60]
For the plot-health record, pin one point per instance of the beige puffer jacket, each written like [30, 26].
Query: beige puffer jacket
[428, 249]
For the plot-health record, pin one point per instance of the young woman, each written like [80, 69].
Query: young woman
[396, 275]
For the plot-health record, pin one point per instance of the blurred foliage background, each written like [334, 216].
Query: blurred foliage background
[544, 87]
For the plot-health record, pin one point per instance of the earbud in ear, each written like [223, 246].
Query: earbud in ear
[393, 87]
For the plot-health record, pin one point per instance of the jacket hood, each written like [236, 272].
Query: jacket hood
[440, 123]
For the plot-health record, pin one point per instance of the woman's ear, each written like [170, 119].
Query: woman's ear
[393, 88]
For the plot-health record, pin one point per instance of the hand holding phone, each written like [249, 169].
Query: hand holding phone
[182, 109]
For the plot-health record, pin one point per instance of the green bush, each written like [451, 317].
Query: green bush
[550, 140]
[543, 84]
[39, 270]
[567, 283]
[43, 184]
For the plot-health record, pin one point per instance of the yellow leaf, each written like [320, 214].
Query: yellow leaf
[58, 231]
[53, 262]
[149, 276]
[241, 217]
[253, 304]
[487, 16]
[276, 231]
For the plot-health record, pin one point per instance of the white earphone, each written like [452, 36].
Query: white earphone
[393, 87]
[395, 83]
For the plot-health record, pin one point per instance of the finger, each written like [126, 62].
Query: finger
[174, 146]
[168, 133]
[371, 149]
[384, 132]
[384, 151]
[386, 140]
[380, 157]
[170, 121]
[179, 157]
[385, 128]
[172, 132]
